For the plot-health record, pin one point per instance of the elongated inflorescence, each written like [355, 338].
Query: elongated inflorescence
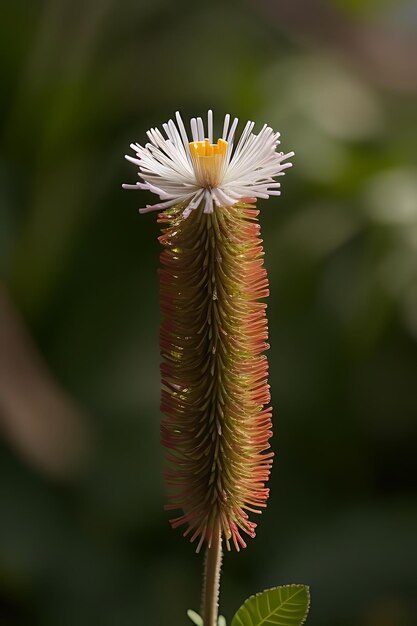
[214, 372]
[215, 394]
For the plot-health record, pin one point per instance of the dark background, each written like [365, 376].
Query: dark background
[83, 537]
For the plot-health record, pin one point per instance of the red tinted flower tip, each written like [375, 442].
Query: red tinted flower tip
[214, 374]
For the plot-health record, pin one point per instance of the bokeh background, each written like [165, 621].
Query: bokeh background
[83, 537]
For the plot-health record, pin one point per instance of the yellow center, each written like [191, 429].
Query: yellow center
[208, 160]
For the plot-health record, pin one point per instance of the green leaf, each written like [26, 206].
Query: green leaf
[195, 618]
[198, 621]
[280, 606]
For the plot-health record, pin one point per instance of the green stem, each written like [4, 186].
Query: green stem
[211, 580]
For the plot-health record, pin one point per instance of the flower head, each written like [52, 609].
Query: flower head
[215, 395]
[200, 172]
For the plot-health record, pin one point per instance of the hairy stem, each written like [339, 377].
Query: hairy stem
[211, 580]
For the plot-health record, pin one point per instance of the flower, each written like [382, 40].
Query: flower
[213, 335]
[203, 173]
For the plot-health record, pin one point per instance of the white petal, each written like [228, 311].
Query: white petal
[167, 169]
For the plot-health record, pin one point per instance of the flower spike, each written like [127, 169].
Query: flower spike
[213, 335]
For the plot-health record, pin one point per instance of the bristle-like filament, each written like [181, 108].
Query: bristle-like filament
[214, 374]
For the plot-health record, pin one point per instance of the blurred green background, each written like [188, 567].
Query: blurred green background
[83, 537]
